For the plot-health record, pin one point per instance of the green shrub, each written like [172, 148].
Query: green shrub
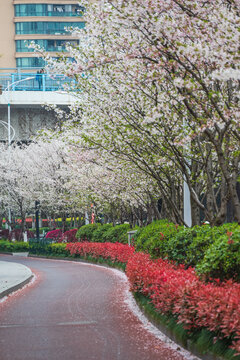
[85, 233]
[58, 249]
[18, 246]
[189, 246]
[154, 237]
[117, 233]
[40, 247]
[222, 259]
[98, 234]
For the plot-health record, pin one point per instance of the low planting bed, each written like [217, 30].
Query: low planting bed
[192, 291]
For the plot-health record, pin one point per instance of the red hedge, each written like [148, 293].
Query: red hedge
[175, 290]
[54, 234]
[113, 251]
[69, 236]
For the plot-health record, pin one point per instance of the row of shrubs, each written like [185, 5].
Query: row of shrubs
[34, 247]
[213, 251]
[176, 291]
[103, 233]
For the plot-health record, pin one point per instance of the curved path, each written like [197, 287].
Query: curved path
[75, 311]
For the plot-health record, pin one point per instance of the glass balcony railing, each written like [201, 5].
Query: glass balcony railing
[38, 82]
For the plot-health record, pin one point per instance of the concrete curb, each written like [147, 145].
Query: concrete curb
[13, 276]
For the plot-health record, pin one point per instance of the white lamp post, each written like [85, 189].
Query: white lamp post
[8, 125]
[9, 114]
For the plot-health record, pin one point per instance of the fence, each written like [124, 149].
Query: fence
[39, 82]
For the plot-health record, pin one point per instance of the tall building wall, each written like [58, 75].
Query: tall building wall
[40, 20]
[7, 34]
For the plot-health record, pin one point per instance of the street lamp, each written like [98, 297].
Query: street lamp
[9, 114]
[8, 125]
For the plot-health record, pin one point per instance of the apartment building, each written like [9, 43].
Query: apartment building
[42, 21]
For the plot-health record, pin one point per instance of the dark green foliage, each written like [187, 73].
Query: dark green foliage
[189, 245]
[117, 233]
[212, 250]
[154, 237]
[222, 258]
[18, 246]
[85, 233]
[98, 234]
[45, 247]
[39, 246]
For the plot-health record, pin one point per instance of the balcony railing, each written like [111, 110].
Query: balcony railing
[40, 82]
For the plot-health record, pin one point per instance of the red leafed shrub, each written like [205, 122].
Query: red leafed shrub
[4, 233]
[174, 290]
[54, 234]
[113, 251]
[17, 235]
[69, 236]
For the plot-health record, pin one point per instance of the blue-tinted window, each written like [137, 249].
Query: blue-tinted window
[39, 27]
[48, 45]
[30, 62]
[48, 10]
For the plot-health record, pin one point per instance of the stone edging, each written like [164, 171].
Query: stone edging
[16, 287]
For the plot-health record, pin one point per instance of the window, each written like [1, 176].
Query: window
[39, 27]
[48, 10]
[30, 62]
[48, 45]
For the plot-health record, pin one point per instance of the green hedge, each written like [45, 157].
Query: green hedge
[99, 233]
[154, 237]
[103, 233]
[222, 258]
[117, 233]
[214, 251]
[18, 246]
[85, 233]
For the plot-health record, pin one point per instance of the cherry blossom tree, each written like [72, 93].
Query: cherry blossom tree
[158, 87]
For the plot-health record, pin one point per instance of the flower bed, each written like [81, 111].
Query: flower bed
[112, 251]
[174, 290]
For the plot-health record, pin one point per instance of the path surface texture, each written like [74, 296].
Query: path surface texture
[73, 310]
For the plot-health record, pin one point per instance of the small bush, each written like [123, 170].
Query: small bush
[54, 234]
[222, 259]
[85, 233]
[57, 249]
[154, 237]
[189, 244]
[69, 236]
[7, 246]
[99, 233]
[117, 233]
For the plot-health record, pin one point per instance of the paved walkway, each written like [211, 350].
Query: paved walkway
[77, 311]
[12, 277]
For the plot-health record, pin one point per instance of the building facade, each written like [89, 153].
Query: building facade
[41, 21]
